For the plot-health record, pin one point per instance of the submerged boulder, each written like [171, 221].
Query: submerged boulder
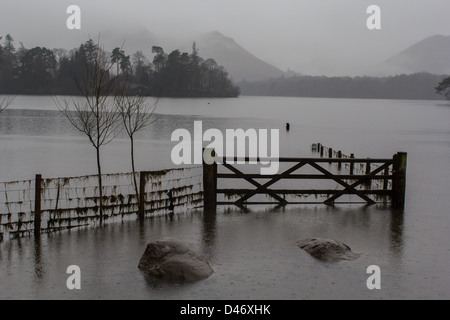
[327, 250]
[173, 260]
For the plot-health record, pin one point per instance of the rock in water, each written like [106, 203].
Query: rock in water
[172, 260]
[327, 249]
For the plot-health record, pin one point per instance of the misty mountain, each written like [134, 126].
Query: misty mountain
[239, 63]
[430, 55]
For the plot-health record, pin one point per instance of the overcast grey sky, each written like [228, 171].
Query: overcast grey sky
[309, 36]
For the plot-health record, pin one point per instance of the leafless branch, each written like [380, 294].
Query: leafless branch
[94, 114]
[135, 109]
[136, 113]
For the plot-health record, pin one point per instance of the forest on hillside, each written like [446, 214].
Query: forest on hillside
[44, 71]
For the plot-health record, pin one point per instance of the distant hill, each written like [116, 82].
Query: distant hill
[430, 55]
[239, 63]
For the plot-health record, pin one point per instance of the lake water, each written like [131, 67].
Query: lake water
[254, 254]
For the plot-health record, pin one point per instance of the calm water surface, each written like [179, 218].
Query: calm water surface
[254, 255]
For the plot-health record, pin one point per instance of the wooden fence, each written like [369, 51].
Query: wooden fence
[47, 205]
[370, 180]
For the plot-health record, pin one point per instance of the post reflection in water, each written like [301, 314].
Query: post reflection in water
[396, 233]
[142, 233]
[39, 269]
[209, 232]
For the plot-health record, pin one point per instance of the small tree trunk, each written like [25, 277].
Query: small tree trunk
[100, 184]
[133, 167]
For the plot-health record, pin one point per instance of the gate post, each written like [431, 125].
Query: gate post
[37, 205]
[142, 183]
[399, 180]
[209, 180]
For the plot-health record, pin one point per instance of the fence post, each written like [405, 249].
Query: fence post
[209, 181]
[37, 205]
[321, 150]
[142, 183]
[368, 183]
[352, 164]
[339, 155]
[399, 180]
[386, 180]
[330, 153]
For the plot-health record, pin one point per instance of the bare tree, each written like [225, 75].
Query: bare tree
[136, 113]
[94, 114]
[5, 102]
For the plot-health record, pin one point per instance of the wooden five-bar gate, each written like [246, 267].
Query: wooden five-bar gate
[390, 172]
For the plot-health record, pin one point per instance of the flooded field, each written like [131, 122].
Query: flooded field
[254, 255]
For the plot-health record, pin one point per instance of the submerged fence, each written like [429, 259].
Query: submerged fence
[370, 180]
[47, 205]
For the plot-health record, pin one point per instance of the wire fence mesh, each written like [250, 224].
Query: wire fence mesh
[74, 202]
